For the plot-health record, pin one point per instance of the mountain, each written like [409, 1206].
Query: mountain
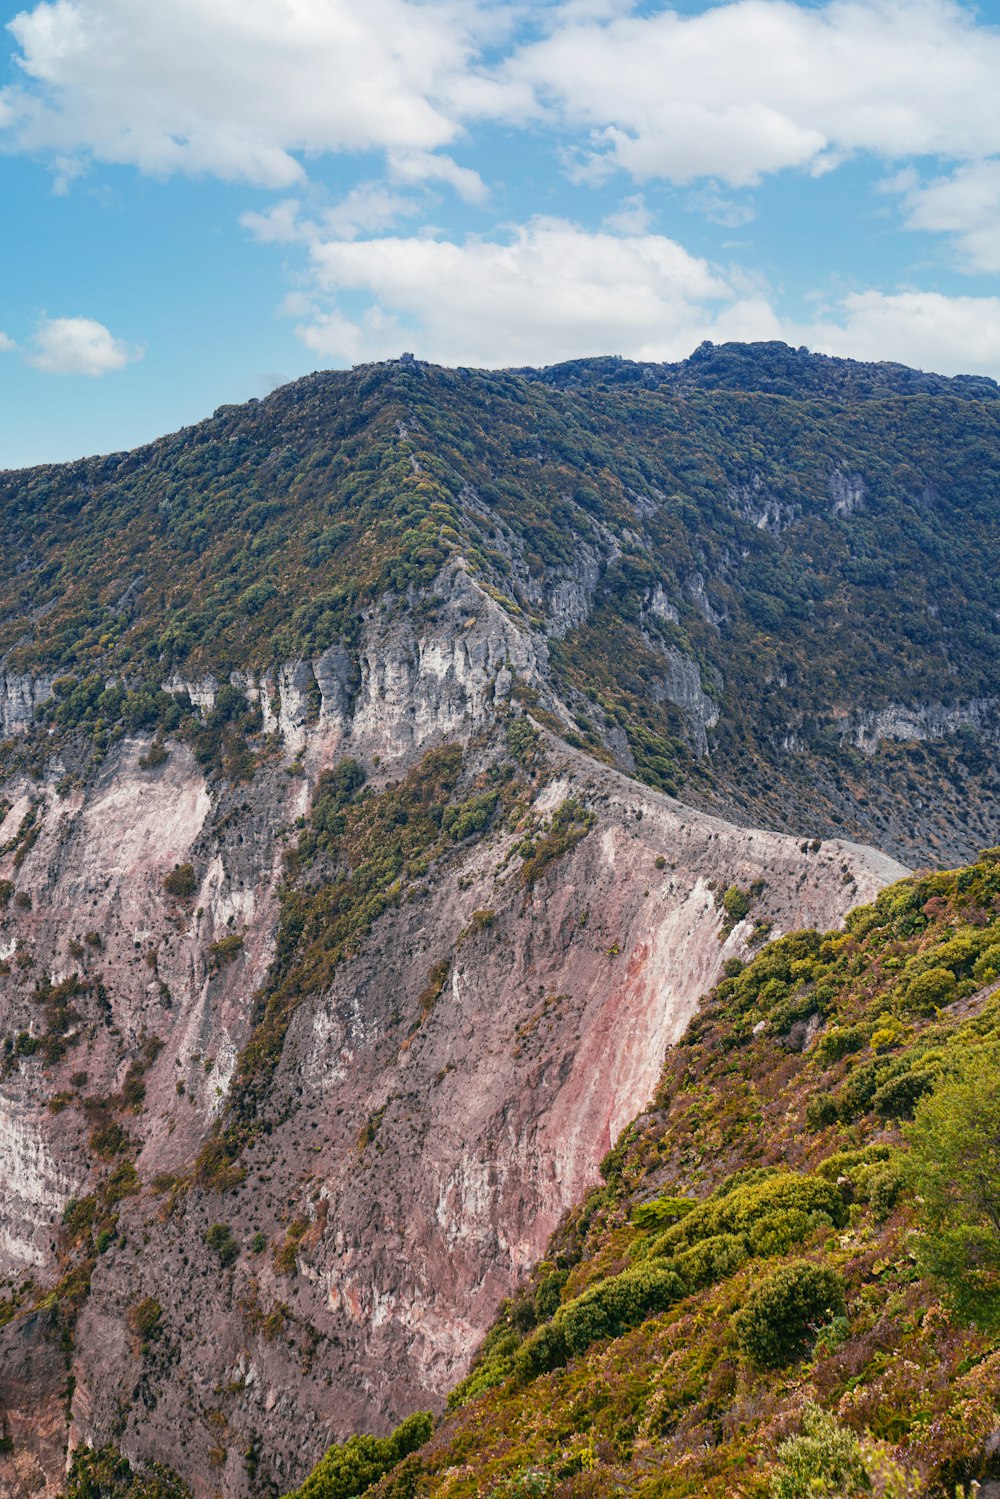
[389, 768]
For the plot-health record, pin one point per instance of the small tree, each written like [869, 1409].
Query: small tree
[953, 1169]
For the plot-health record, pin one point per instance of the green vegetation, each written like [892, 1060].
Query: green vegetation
[785, 1311]
[219, 1239]
[810, 1303]
[105, 1474]
[350, 1468]
[809, 540]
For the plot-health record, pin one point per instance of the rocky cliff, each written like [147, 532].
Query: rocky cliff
[436, 1108]
[345, 909]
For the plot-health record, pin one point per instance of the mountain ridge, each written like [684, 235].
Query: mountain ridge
[390, 766]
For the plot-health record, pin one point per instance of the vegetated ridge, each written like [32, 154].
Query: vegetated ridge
[347, 904]
[789, 1283]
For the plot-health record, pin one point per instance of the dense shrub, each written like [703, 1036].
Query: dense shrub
[784, 1312]
[953, 1168]
[825, 1459]
[351, 1467]
[220, 1238]
[711, 1260]
[929, 991]
[750, 1202]
[605, 1310]
[181, 882]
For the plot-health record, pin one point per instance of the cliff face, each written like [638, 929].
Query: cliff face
[299, 1073]
[437, 1105]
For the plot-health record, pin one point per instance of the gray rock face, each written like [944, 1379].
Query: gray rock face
[681, 685]
[20, 698]
[423, 1156]
[922, 722]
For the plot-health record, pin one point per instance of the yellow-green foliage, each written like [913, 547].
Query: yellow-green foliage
[785, 1310]
[826, 1315]
[352, 1467]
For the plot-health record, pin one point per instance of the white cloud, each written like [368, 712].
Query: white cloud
[630, 217]
[239, 88]
[7, 344]
[965, 205]
[552, 291]
[754, 86]
[950, 335]
[369, 207]
[78, 346]
[555, 291]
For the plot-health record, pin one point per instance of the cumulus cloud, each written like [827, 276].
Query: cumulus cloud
[237, 87]
[78, 346]
[6, 343]
[552, 290]
[965, 204]
[549, 291]
[950, 335]
[753, 86]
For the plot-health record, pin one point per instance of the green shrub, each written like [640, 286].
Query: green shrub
[839, 1041]
[784, 1312]
[736, 904]
[775, 1233]
[825, 1459]
[985, 969]
[750, 1201]
[349, 1468]
[181, 882]
[897, 1098]
[618, 1303]
[711, 1260]
[821, 1110]
[220, 1238]
[953, 1169]
[605, 1310]
[548, 1297]
[144, 1317]
[929, 991]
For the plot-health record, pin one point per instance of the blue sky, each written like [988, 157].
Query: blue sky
[204, 199]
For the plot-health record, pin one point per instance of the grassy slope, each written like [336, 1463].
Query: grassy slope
[673, 1406]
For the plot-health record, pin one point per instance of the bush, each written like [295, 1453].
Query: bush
[144, 1317]
[349, 1468]
[712, 1260]
[220, 1238]
[929, 991]
[736, 904]
[825, 1459]
[549, 1294]
[785, 1311]
[840, 1041]
[603, 1311]
[181, 882]
[821, 1110]
[897, 1098]
[953, 1169]
[747, 1202]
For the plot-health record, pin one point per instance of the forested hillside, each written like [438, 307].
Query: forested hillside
[757, 580]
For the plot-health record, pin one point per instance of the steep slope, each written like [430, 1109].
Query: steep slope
[346, 908]
[760, 582]
[668, 1346]
[407, 1121]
